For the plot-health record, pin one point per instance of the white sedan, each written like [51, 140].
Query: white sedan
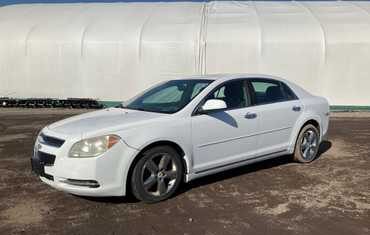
[178, 131]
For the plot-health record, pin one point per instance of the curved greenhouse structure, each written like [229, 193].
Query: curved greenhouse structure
[110, 51]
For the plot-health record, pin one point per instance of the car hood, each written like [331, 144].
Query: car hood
[102, 121]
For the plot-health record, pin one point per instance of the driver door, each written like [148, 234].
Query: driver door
[225, 136]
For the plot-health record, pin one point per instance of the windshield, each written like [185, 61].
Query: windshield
[168, 97]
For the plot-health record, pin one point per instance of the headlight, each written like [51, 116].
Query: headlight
[94, 146]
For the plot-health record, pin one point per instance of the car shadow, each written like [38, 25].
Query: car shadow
[224, 117]
[228, 174]
[324, 147]
[242, 170]
[128, 199]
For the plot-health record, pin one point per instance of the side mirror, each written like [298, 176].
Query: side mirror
[213, 105]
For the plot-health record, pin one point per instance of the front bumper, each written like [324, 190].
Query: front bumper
[104, 175]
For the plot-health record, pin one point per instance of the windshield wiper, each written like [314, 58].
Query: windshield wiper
[139, 109]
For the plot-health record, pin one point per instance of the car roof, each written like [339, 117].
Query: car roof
[226, 76]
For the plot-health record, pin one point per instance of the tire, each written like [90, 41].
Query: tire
[157, 175]
[307, 144]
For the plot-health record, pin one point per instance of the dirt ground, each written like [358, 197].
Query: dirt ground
[329, 196]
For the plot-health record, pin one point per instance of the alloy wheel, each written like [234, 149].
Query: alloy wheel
[159, 174]
[309, 144]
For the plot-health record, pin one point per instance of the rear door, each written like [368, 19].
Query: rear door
[278, 110]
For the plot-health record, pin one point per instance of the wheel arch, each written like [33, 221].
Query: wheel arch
[173, 144]
[314, 120]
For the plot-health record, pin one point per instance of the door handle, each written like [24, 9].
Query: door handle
[250, 115]
[296, 108]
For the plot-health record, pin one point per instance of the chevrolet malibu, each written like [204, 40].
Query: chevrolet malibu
[178, 131]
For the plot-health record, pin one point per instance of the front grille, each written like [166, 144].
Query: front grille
[46, 159]
[51, 141]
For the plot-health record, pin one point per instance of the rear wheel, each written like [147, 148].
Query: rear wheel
[157, 175]
[307, 144]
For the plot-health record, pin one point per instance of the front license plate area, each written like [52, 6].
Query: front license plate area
[37, 167]
[38, 162]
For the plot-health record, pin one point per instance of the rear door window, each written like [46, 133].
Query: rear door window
[270, 91]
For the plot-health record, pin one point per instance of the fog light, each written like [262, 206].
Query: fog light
[82, 183]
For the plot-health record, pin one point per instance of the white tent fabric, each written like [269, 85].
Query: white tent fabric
[110, 51]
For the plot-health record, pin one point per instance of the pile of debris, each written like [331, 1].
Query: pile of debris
[76, 103]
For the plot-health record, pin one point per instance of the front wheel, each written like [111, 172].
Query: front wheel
[307, 144]
[157, 175]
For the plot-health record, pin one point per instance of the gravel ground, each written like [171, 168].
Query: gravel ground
[329, 196]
